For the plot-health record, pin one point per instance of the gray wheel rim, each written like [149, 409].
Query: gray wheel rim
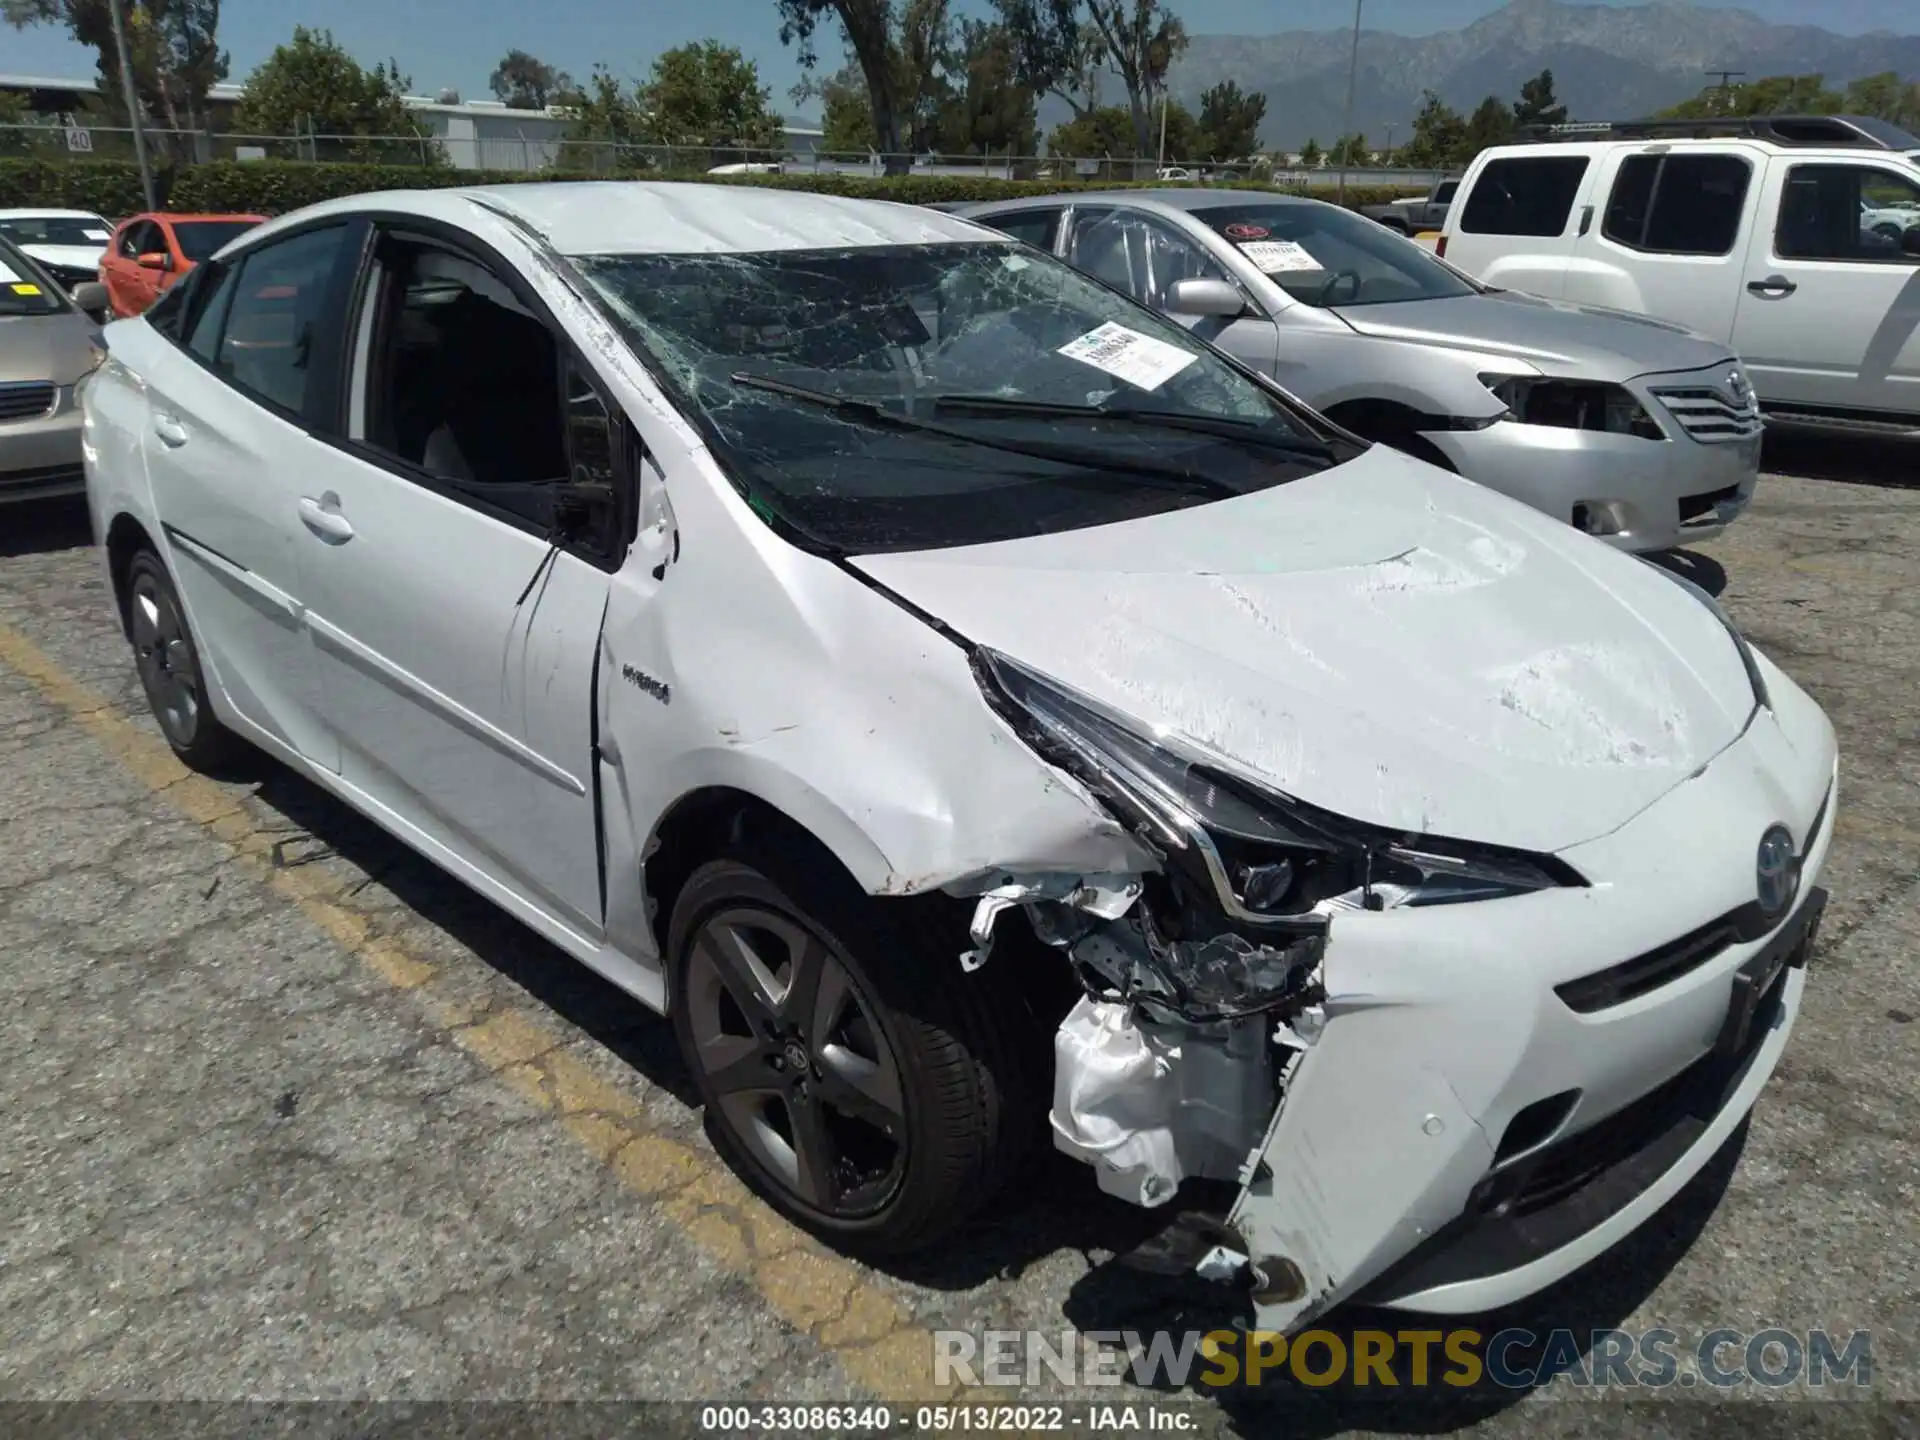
[165, 661]
[794, 1061]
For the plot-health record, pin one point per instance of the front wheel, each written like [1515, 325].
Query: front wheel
[169, 666]
[851, 1072]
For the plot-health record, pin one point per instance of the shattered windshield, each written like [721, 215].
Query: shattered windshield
[917, 397]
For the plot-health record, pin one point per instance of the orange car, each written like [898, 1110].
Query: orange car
[150, 253]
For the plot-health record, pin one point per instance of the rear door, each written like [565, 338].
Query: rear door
[1830, 308]
[1515, 224]
[229, 445]
[455, 628]
[1670, 235]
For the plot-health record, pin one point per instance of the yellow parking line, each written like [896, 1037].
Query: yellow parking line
[868, 1330]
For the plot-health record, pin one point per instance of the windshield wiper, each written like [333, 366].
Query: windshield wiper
[873, 413]
[1253, 431]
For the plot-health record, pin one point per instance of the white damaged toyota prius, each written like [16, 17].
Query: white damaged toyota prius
[973, 708]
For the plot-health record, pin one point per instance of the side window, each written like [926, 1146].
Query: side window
[464, 383]
[1444, 195]
[133, 240]
[1848, 212]
[1035, 227]
[1139, 254]
[1678, 204]
[278, 295]
[1525, 195]
[208, 312]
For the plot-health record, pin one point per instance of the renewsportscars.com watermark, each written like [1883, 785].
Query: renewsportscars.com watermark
[1516, 1359]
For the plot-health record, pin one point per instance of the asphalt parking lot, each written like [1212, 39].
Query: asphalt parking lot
[286, 1114]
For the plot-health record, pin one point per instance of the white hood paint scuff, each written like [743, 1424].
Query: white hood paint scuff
[1385, 641]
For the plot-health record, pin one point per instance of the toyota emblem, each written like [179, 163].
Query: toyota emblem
[1776, 872]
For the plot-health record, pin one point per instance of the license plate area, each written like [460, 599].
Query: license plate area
[1757, 984]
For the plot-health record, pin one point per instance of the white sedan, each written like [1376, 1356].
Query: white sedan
[962, 699]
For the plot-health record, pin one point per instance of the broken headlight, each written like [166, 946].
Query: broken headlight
[1573, 405]
[1267, 859]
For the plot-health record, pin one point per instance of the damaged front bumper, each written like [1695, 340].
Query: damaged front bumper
[1417, 1113]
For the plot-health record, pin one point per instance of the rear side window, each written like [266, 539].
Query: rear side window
[1034, 227]
[267, 340]
[1678, 204]
[1524, 195]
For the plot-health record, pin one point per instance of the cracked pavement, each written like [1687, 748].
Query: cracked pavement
[289, 1114]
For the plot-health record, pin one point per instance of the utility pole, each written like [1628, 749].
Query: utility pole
[1353, 76]
[1165, 101]
[133, 103]
[1725, 87]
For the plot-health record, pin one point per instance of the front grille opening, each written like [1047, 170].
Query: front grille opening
[26, 401]
[1708, 414]
[1692, 507]
[1535, 1124]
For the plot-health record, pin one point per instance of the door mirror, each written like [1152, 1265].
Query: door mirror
[1203, 297]
[156, 260]
[90, 297]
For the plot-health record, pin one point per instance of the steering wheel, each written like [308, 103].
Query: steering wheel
[1320, 296]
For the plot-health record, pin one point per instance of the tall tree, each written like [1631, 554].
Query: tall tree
[1439, 134]
[311, 85]
[1351, 151]
[1887, 97]
[1061, 46]
[898, 48]
[527, 82]
[1311, 155]
[173, 48]
[1491, 124]
[846, 113]
[1108, 132]
[986, 108]
[1774, 95]
[707, 94]
[1230, 122]
[1537, 104]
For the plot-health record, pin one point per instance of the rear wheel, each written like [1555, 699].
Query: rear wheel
[851, 1072]
[169, 666]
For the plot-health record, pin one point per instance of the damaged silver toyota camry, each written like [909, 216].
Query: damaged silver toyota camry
[972, 707]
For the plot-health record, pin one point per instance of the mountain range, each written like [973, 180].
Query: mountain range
[1609, 63]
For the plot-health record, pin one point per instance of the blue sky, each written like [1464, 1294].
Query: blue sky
[455, 43]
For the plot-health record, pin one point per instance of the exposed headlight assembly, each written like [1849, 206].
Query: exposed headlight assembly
[1759, 682]
[1269, 861]
[1572, 405]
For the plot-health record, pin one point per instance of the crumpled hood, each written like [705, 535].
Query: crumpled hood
[1384, 640]
[1560, 337]
[78, 257]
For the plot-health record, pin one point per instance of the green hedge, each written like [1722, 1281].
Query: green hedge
[106, 187]
[272, 187]
[269, 187]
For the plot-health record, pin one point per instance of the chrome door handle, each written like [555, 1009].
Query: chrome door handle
[168, 427]
[1773, 285]
[324, 519]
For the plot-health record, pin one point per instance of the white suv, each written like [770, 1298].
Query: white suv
[1796, 240]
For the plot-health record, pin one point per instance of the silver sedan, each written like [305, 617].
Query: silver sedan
[1643, 434]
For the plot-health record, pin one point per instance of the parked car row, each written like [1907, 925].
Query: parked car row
[973, 703]
[136, 260]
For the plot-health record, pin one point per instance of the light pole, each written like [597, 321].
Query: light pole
[133, 103]
[1353, 75]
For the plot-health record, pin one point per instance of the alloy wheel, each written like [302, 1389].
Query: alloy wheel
[794, 1060]
[165, 660]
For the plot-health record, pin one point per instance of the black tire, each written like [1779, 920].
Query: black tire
[169, 664]
[963, 1048]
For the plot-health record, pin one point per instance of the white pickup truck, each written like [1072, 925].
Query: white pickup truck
[1796, 239]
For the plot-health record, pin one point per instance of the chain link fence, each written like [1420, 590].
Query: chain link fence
[483, 142]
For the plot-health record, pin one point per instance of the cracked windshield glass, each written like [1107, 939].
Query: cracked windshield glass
[918, 397]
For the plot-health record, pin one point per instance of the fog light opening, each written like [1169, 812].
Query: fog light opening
[1599, 517]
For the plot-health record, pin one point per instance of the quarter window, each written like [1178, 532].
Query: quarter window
[1139, 255]
[1848, 212]
[1678, 204]
[1525, 195]
[278, 299]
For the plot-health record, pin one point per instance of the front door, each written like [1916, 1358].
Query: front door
[1830, 309]
[455, 638]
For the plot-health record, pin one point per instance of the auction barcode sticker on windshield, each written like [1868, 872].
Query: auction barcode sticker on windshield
[1128, 355]
[1276, 257]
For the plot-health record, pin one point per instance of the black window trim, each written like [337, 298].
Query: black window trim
[1661, 157]
[330, 422]
[1901, 259]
